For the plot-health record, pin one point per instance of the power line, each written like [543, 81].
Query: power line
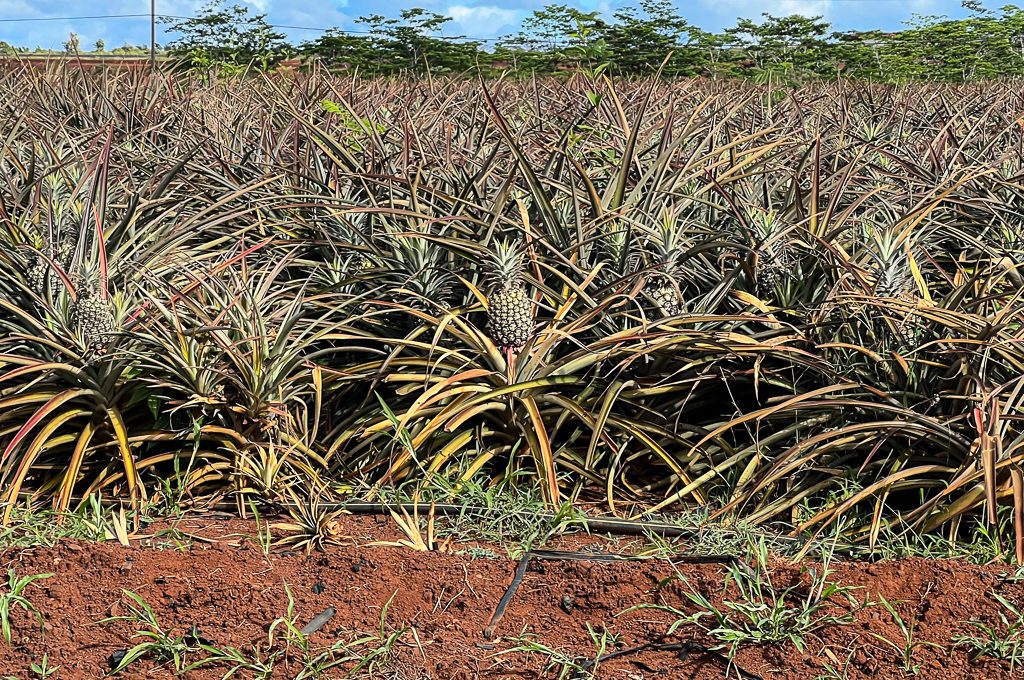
[84, 18]
[186, 18]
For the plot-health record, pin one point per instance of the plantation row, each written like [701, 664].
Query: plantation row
[800, 310]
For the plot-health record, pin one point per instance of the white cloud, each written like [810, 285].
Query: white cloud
[752, 9]
[807, 8]
[483, 19]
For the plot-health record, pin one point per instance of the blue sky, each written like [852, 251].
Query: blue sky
[475, 18]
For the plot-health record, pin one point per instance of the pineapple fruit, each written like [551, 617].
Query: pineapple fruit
[666, 245]
[510, 309]
[776, 257]
[92, 319]
[665, 293]
[41, 274]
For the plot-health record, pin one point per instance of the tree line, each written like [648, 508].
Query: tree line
[635, 40]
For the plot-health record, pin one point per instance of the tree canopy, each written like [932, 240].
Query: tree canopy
[633, 40]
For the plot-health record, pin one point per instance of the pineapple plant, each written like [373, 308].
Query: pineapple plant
[509, 308]
[775, 255]
[889, 263]
[418, 270]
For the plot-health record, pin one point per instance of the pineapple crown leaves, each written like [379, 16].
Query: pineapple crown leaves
[767, 226]
[886, 246]
[667, 242]
[507, 264]
[421, 266]
[890, 254]
[616, 247]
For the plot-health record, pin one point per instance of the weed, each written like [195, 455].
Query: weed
[569, 666]
[41, 669]
[289, 647]
[237, 662]
[378, 646]
[157, 643]
[31, 528]
[760, 613]
[264, 537]
[15, 597]
[908, 644]
[312, 662]
[510, 513]
[559, 664]
[1006, 644]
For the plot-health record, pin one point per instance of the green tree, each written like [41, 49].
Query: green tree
[227, 37]
[711, 52]
[411, 43]
[784, 49]
[556, 36]
[340, 50]
[859, 54]
[644, 35]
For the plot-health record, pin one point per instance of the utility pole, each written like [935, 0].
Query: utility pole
[152, 35]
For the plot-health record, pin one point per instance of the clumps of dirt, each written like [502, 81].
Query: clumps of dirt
[438, 604]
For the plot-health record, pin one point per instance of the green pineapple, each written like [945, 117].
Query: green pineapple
[510, 309]
[664, 292]
[92, 319]
[889, 263]
[41, 275]
[776, 257]
[667, 245]
[773, 269]
[37, 274]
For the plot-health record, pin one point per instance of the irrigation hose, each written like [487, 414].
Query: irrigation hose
[499, 611]
[603, 525]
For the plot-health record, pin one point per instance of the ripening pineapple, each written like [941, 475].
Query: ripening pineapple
[509, 308]
[92, 319]
[37, 271]
[774, 266]
[665, 293]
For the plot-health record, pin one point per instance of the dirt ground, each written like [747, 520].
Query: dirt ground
[439, 603]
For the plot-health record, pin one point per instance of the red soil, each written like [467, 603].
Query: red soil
[233, 592]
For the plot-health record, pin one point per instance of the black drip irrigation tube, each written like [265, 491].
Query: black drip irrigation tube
[614, 526]
[601, 525]
[683, 649]
[622, 527]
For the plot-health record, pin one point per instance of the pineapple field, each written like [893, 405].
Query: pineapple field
[265, 319]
